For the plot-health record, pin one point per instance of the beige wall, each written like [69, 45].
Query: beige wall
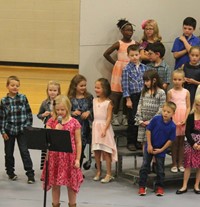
[98, 28]
[44, 31]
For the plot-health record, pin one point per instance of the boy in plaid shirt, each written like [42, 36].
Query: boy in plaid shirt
[15, 115]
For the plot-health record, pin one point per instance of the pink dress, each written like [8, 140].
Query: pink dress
[106, 143]
[179, 98]
[191, 156]
[61, 165]
[122, 61]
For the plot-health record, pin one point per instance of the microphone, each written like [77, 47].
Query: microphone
[60, 119]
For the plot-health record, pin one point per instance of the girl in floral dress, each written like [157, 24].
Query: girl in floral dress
[192, 148]
[64, 168]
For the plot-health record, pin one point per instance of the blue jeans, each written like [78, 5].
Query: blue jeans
[9, 146]
[160, 170]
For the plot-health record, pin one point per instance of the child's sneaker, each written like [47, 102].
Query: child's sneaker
[160, 191]
[142, 191]
[31, 180]
[12, 176]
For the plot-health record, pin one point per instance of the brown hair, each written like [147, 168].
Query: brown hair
[12, 78]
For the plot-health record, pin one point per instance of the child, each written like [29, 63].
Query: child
[181, 97]
[132, 84]
[192, 72]
[151, 101]
[126, 28]
[15, 115]
[81, 110]
[156, 52]
[192, 148]
[45, 111]
[160, 133]
[182, 44]
[64, 168]
[103, 142]
[151, 35]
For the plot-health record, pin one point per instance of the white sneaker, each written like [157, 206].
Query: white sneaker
[181, 169]
[174, 169]
[115, 121]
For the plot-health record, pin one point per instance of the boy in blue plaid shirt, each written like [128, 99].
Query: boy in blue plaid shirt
[15, 115]
[132, 84]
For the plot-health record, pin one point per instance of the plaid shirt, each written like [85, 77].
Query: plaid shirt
[132, 79]
[15, 114]
[163, 70]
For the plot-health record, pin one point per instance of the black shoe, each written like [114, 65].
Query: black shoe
[131, 147]
[178, 192]
[12, 176]
[31, 180]
[196, 191]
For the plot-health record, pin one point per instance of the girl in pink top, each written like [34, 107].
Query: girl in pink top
[181, 97]
[103, 142]
[121, 46]
[64, 168]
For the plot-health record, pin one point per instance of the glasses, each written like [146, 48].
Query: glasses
[150, 29]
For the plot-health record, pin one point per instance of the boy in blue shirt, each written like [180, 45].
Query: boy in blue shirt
[160, 133]
[132, 84]
[183, 43]
[15, 115]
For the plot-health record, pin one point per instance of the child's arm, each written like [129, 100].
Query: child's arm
[109, 51]
[29, 120]
[162, 101]
[169, 95]
[185, 42]
[159, 150]
[108, 120]
[149, 145]
[42, 112]
[138, 117]
[187, 107]
[78, 147]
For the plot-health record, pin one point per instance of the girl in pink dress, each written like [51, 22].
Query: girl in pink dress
[192, 148]
[103, 142]
[181, 97]
[64, 168]
[126, 28]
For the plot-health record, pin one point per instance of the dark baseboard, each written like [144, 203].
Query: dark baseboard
[45, 65]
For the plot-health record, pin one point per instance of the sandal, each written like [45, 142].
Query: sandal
[107, 179]
[97, 177]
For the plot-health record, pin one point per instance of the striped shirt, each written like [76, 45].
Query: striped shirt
[15, 114]
[132, 79]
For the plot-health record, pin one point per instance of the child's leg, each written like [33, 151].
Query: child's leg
[180, 150]
[97, 156]
[108, 163]
[71, 197]
[185, 178]
[174, 152]
[9, 158]
[25, 155]
[55, 195]
[160, 171]
[196, 185]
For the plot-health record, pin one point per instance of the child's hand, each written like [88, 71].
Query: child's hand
[195, 146]
[77, 164]
[190, 81]
[146, 123]
[46, 113]
[182, 38]
[129, 104]
[85, 115]
[5, 136]
[77, 113]
[156, 151]
[103, 133]
[182, 122]
[59, 126]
